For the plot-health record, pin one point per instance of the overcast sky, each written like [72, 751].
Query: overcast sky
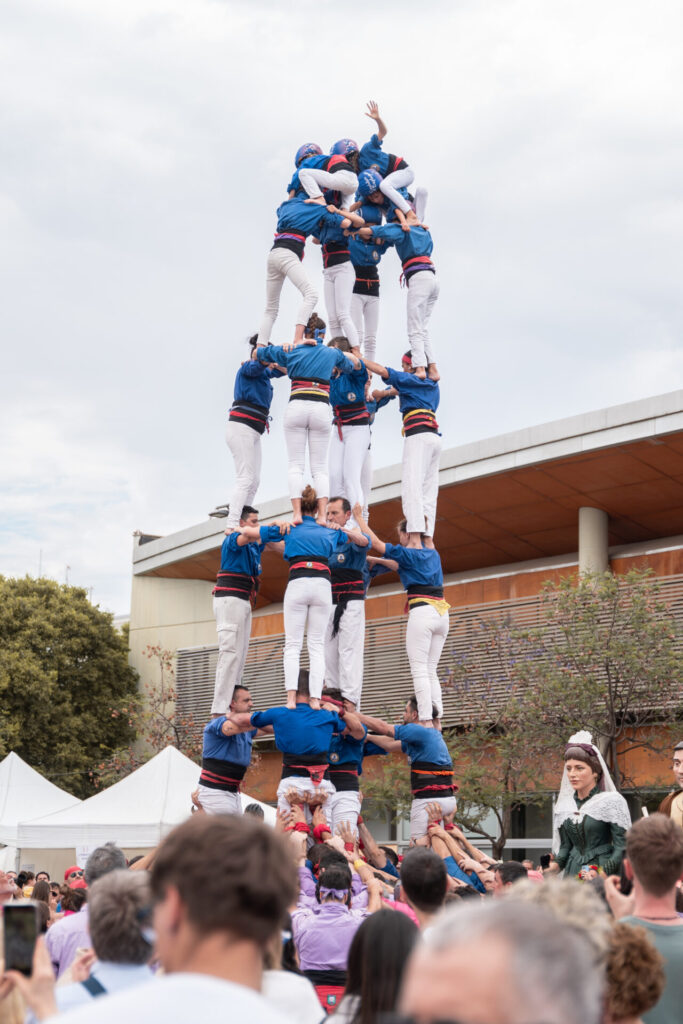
[144, 148]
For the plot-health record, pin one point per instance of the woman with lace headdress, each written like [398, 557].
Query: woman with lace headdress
[591, 818]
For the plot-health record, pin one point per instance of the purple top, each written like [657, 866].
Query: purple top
[65, 936]
[307, 898]
[323, 936]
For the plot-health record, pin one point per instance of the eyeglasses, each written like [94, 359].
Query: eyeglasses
[75, 874]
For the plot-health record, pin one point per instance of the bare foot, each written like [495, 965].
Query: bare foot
[433, 372]
[420, 372]
[297, 519]
[314, 704]
[228, 530]
[411, 220]
[291, 704]
[320, 200]
[321, 520]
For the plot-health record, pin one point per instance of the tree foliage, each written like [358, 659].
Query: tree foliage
[65, 681]
[157, 723]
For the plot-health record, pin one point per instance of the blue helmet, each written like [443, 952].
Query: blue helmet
[368, 182]
[343, 147]
[303, 152]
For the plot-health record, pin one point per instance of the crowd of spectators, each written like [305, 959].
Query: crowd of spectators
[237, 921]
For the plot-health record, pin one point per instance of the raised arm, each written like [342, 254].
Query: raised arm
[373, 114]
[377, 544]
[377, 368]
[377, 725]
[356, 537]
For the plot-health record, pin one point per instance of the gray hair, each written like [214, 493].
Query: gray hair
[559, 979]
[120, 907]
[103, 860]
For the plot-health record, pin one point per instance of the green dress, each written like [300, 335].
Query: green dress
[588, 841]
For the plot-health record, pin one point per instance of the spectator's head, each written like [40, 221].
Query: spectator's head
[506, 874]
[120, 912]
[242, 702]
[528, 864]
[42, 876]
[334, 884]
[574, 904]
[41, 891]
[377, 957]
[654, 854]
[255, 810]
[390, 855]
[73, 874]
[74, 899]
[678, 763]
[424, 880]
[43, 912]
[635, 974]
[502, 962]
[321, 856]
[103, 860]
[200, 909]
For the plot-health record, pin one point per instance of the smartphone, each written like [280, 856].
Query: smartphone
[20, 923]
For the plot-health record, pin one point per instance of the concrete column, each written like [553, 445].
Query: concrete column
[593, 547]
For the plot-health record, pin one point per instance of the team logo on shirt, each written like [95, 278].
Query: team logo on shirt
[341, 558]
[258, 568]
[334, 757]
[351, 396]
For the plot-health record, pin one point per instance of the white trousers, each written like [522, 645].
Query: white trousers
[421, 196]
[338, 285]
[233, 623]
[306, 599]
[419, 818]
[284, 263]
[366, 481]
[394, 181]
[420, 481]
[245, 446]
[346, 461]
[306, 788]
[426, 634]
[307, 422]
[365, 316]
[217, 801]
[313, 180]
[423, 291]
[344, 652]
[344, 806]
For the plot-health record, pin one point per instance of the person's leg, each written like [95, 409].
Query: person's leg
[295, 611]
[344, 280]
[296, 430]
[336, 462]
[421, 196]
[418, 643]
[343, 806]
[313, 180]
[319, 607]
[218, 801]
[427, 312]
[371, 323]
[419, 818]
[419, 289]
[300, 279]
[275, 277]
[355, 445]
[431, 450]
[233, 621]
[448, 804]
[366, 480]
[351, 637]
[357, 315]
[394, 181]
[439, 634]
[412, 482]
[329, 278]
[319, 426]
[245, 448]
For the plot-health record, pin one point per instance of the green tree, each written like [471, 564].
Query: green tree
[64, 681]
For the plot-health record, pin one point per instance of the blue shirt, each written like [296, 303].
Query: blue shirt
[308, 538]
[305, 218]
[348, 555]
[365, 254]
[413, 393]
[302, 731]
[306, 361]
[423, 744]
[416, 242]
[349, 388]
[236, 749]
[373, 407]
[373, 156]
[347, 750]
[245, 558]
[252, 383]
[455, 871]
[416, 565]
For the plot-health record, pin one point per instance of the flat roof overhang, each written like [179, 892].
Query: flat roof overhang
[506, 499]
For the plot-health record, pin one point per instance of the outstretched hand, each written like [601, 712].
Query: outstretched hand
[372, 111]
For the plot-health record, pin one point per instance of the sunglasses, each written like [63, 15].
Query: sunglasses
[75, 874]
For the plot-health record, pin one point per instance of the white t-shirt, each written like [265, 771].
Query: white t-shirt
[293, 995]
[179, 999]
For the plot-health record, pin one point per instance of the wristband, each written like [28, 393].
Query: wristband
[318, 832]
[301, 826]
[350, 847]
[357, 864]
[449, 826]
[360, 820]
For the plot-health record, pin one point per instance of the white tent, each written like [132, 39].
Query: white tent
[136, 812]
[24, 793]
[8, 858]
